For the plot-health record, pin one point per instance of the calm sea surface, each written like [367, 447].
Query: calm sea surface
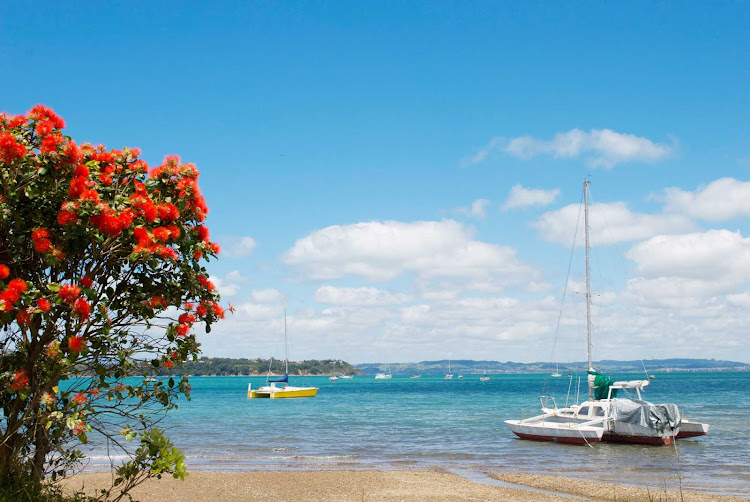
[406, 423]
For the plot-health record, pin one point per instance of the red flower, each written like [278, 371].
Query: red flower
[161, 234]
[43, 128]
[202, 232]
[218, 310]
[40, 234]
[75, 344]
[20, 380]
[69, 292]
[10, 149]
[43, 304]
[82, 308]
[42, 246]
[168, 364]
[17, 285]
[23, 318]
[81, 170]
[94, 391]
[4, 271]
[106, 179]
[77, 186]
[186, 318]
[9, 297]
[41, 112]
[86, 282]
[215, 247]
[67, 218]
[80, 398]
[50, 143]
[72, 151]
[197, 254]
[183, 330]
[201, 310]
[90, 195]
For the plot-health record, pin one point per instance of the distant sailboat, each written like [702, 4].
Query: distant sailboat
[556, 374]
[333, 377]
[449, 375]
[284, 390]
[384, 375]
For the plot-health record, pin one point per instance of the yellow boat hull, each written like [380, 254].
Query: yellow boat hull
[282, 392]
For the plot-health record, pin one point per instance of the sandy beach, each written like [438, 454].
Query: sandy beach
[387, 486]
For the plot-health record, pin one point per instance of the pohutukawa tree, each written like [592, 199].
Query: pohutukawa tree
[101, 281]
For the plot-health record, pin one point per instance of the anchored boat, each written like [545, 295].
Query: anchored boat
[605, 417]
[278, 388]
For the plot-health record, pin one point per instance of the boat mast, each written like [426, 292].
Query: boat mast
[588, 274]
[286, 345]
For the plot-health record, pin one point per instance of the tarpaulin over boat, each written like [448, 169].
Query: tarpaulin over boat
[659, 418]
[285, 379]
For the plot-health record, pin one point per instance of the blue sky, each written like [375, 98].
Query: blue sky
[343, 145]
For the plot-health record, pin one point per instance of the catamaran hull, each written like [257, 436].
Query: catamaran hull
[567, 435]
[690, 429]
[649, 440]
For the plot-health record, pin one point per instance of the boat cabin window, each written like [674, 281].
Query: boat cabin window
[599, 412]
[584, 411]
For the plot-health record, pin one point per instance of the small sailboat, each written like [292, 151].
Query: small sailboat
[283, 389]
[485, 377]
[605, 417]
[556, 374]
[346, 377]
[416, 376]
[449, 375]
[384, 375]
[333, 377]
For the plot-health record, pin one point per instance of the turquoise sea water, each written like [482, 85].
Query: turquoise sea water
[429, 422]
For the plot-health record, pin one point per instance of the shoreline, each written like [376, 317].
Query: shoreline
[385, 485]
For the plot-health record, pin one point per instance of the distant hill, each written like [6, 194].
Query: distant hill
[469, 366]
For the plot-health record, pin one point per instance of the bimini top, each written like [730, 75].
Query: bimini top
[284, 379]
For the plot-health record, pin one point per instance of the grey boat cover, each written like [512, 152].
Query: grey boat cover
[660, 418]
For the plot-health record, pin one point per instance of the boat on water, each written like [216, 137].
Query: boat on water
[485, 377]
[449, 375]
[278, 388]
[557, 373]
[604, 416]
[333, 377]
[384, 375]
[416, 376]
[346, 377]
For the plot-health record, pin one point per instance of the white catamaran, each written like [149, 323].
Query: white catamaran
[605, 417]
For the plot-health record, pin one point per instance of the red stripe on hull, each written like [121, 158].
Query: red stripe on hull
[656, 441]
[553, 439]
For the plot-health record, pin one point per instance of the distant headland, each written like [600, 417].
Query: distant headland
[206, 366]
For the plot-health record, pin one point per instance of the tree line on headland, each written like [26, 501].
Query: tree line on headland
[221, 366]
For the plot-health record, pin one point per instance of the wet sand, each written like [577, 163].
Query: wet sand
[386, 486]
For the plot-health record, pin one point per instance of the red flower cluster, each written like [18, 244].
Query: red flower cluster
[10, 296]
[86, 282]
[4, 272]
[82, 308]
[157, 301]
[69, 292]
[109, 222]
[23, 318]
[20, 380]
[43, 304]
[10, 149]
[40, 237]
[45, 114]
[75, 344]
[79, 398]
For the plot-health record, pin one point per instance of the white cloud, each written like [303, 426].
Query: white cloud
[269, 295]
[720, 200]
[521, 197]
[228, 285]
[611, 223]
[239, 247]
[715, 255]
[381, 251]
[478, 209]
[602, 147]
[358, 296]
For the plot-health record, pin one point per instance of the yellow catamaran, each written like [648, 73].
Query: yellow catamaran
[278, 388]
